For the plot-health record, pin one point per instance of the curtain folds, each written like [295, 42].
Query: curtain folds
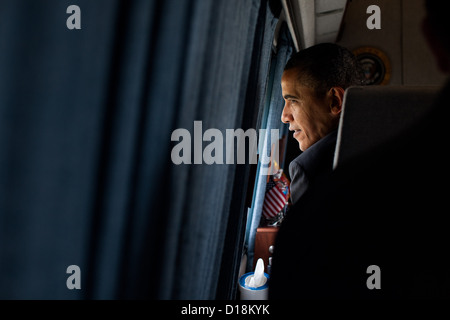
[86, 118]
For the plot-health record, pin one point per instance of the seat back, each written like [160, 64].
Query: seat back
[372, 115]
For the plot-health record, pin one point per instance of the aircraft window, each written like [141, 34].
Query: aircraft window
[271, 183]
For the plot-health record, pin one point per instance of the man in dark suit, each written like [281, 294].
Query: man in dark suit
[378, 226]
[313, 85]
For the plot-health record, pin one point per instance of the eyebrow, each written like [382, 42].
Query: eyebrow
[288, 96]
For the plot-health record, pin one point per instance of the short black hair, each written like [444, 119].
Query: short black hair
[326, 65]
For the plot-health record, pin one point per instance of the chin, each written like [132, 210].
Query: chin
[301, 147]
[304, 145]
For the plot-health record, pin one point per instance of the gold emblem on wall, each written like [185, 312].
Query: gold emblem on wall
[375, 65]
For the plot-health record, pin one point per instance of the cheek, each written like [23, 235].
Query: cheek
[305, 121]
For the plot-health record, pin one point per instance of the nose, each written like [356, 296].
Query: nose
[286, 116]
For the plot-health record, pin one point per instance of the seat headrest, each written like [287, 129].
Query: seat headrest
[372, 115]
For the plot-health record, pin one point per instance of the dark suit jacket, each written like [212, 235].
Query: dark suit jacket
[388, 208]
[313, 162]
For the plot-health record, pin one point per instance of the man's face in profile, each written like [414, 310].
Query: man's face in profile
[310, 117]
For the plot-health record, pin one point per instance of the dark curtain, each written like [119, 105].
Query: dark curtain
[86, 117]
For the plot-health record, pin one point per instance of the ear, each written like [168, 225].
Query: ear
[435, 44]
[337, 98]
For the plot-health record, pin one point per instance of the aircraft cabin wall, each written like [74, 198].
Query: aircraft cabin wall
[400, 39]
